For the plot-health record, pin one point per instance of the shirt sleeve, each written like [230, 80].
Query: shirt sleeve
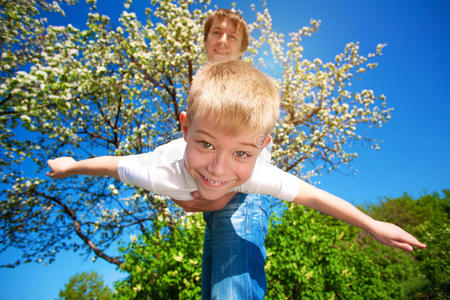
[166, 179]
[270, 180]
[135, 170]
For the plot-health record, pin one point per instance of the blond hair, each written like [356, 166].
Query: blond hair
[235, 94]
[236, 19]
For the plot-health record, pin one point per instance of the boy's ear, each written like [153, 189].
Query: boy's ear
[263, 141]
[184, 124]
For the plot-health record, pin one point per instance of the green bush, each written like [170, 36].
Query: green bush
[427, 218]
[164, 266]
[313, 256]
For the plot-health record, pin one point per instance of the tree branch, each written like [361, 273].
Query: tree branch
[71, 213]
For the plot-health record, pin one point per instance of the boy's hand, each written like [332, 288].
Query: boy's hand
[392, 235]
[60, 167]
[201, 204]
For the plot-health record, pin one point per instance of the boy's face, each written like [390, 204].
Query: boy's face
[217, 160]
[224, 41]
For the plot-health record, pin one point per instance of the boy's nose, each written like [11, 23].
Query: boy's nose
[217, 164]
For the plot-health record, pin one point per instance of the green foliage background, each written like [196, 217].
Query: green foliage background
[310, 256]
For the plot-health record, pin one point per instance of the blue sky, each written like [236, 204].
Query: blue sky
[413, 73]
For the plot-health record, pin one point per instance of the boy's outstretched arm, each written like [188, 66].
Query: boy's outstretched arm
[386, 233]
[62, 167]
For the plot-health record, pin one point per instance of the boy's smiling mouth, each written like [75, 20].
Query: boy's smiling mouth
[210, 182]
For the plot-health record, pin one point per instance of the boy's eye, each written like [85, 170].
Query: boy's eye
[207, 145]
[241, 154]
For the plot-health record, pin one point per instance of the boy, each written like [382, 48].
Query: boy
[235, 228]
[232, 108]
